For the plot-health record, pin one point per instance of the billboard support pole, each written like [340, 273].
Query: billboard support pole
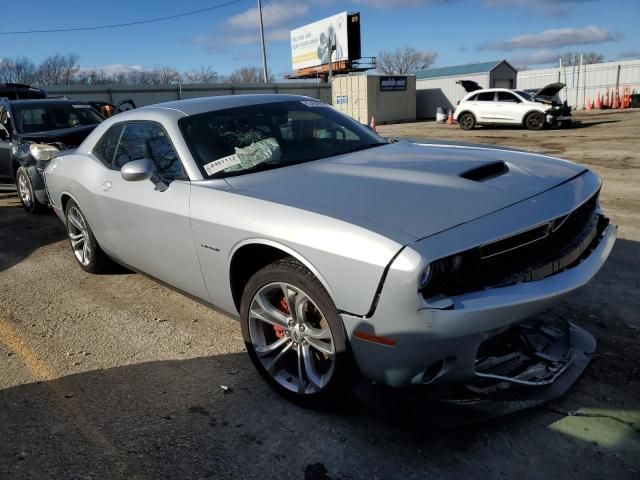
[330, 60]
[264, 51]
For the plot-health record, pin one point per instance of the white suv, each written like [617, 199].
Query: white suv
[501, 106]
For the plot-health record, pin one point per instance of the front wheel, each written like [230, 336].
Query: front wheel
[534, 121]
[25, 189]
[294, 334]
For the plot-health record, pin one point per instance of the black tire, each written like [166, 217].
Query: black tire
[25, 192]
[535, 121]
[467, 121]
[293, 273]
[97, 260]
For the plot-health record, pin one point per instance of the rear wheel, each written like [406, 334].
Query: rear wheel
[85, 248]
[25, 190]
[294, 334]
[534, 121]
[467, 121]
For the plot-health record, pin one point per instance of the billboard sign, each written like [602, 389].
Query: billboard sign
[393, 84]
[310, 44]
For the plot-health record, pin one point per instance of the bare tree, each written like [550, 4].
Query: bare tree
[58, 69]
[201, 75]
[163, 76]
[93, 77]
[573, 58]
[404, 60]
[248, 75]
[17, 70]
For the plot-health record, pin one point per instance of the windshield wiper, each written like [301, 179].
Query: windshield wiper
[259, 167]
[362, 147]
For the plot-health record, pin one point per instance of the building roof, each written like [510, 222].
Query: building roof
[458, 70]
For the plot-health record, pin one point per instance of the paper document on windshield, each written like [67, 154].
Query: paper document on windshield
[222, 164]
[267, 150]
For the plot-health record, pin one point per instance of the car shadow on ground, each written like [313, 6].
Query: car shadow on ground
[23, 234]
[172, 419]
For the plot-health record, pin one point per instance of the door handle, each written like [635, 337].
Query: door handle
[106, 186]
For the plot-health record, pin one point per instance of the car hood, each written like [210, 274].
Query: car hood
[71, 137]
[407, 191]
[549, 91]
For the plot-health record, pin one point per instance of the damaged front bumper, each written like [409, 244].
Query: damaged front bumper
[530, 364]
[558, 116]
[428, 346]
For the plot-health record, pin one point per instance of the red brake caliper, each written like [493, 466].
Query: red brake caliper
[283, 306]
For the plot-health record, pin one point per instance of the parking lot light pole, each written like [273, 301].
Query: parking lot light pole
[264, 52]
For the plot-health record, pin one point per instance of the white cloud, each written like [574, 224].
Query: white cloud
[541, 57]
[274, 14]
[269, 36]
[559, 37]
[115, 68]
[242, 29]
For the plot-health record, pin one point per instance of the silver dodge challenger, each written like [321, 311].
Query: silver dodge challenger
[344, 254]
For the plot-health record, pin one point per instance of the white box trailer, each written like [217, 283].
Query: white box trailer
[387, 98]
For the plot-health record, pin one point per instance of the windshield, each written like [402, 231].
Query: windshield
[525, 95]
[271, 135]
[45, 117]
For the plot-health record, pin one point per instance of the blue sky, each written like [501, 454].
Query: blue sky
[528, 32]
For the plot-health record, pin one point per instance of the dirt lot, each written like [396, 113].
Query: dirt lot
[117, 377]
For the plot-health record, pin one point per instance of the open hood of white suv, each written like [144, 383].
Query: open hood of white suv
[549, 91]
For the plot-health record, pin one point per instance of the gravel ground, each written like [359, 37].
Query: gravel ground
[115, 376]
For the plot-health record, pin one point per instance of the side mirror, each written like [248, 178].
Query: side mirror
[143, 169]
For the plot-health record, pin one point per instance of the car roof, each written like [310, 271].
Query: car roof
[46, 101]
[194, 106]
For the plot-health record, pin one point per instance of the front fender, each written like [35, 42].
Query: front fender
[280, 246]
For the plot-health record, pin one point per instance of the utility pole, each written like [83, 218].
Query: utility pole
[264, 51]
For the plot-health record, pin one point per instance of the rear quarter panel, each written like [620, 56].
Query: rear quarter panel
[78, 176]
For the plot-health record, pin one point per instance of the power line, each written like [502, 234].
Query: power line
[128, 24]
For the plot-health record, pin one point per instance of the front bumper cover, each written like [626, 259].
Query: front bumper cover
[549, 359]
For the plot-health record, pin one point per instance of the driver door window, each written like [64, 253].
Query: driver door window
[507, 97]
[148, 140]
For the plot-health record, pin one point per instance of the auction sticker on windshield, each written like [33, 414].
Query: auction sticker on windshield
[81, 106]
[221, 164]
[312, 104]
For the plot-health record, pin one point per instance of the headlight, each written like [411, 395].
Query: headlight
[41, 151]
[440, 274]
[425, 277]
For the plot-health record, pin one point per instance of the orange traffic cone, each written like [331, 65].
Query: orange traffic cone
[373, 124]
[598, 102]
[627, 98]
[607, 103]
[450, 118]
[588, 106]
[616, 100]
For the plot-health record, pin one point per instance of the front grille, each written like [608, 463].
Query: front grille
[527, 256]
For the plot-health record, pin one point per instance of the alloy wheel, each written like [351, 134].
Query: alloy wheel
[79, 236]
[291, 338]
[24, 190]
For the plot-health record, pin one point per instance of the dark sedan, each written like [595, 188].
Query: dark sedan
[34, 131]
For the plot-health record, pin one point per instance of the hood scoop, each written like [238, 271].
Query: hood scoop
[485, 172]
